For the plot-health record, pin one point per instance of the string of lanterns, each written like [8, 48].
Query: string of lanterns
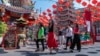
[93, 5]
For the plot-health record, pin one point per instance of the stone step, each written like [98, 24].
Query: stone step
[1, 49]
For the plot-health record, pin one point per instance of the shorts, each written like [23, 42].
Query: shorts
[21, 36]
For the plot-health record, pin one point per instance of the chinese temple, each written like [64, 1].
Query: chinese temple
[10, 11]
[67, 15]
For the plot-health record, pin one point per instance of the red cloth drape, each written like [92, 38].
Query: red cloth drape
[87, 15]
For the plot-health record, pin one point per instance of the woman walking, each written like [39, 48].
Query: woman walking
[61, 37]
[76, 40]
[51, 42]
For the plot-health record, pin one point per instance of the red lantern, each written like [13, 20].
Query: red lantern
[98, 4]
[48, 10]
[67, 4]
[89, 6]
[30, 23]
[44, 13]
[78, 1]
[54, 12]
[60, 9]
[44, 20]
[84, 3]
[49, 14]
[94, 1]
[54, 6]
[60, 1]
[45, 17]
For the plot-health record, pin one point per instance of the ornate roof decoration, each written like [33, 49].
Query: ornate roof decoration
[21, 19]
[16, 9]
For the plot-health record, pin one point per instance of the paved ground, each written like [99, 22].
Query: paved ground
[87, 50]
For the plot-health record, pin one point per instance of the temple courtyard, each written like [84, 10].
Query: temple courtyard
[29, 50]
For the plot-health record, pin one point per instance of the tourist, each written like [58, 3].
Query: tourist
[69, 35]
[40, 37]
[51, 41]
[61, 37]
[21, 36]
[76, 39]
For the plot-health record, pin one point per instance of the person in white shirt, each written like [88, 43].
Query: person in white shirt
[61, 37]
[69, 35]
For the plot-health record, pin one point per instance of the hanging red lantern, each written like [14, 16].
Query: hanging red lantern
[98, 4]
[45, 17]
[54, 6]
[60, 1]
[30, 23]
[89, 6]
[49, 14]
[44, 13]
[67, 4]
[45, 21]
[48, 10]
[60, 9]
[54, 12]
[84, 3]
[94, 1]
[78, 1]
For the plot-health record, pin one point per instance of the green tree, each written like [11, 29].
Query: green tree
[3, 28]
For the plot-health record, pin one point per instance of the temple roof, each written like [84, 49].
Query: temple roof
[16, 9]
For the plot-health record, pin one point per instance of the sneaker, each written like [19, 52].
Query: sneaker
[42, 50]
[79, 50]
[71, 51]
[57, 50]
[65, 48]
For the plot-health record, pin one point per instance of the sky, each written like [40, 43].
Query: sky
[45, 4]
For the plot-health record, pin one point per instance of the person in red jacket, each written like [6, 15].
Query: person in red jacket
[76, 39]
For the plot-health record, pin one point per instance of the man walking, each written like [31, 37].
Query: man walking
[40, 37]
[69, 35]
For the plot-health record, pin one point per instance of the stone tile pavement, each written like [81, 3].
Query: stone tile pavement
[87, 50]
